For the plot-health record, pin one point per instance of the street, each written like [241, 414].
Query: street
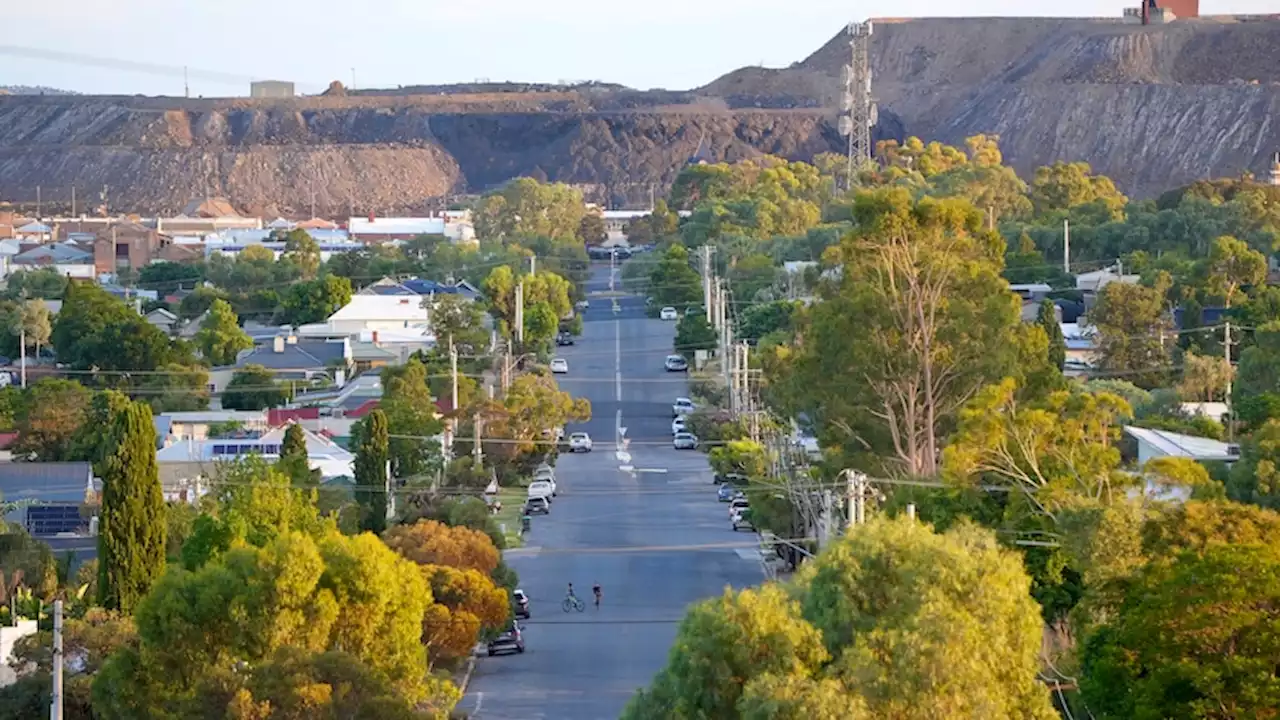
[649, 537]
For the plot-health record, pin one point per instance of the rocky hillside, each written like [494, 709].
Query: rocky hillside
[1153, 107]
[365, 154]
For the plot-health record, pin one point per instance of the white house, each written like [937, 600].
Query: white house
[173, 427]
[1082, 349]
[1154, 444]
[189, 462]
[1098, 279]
[454, 225]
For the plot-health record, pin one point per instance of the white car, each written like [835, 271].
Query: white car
[559, 366]
[547, 475]
[542, 489]
[681, 407]
[583, 305]
[684, 441]
[676, 363]
[679, 426]
[579, 442]
[668, 313]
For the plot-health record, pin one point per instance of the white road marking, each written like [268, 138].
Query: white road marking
[655, 471]
[627, 468]
[617, 365]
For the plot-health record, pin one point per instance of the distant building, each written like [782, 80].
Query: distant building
[271, 89]
[1275, 171]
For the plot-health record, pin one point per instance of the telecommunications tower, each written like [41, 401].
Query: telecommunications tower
[859, 111]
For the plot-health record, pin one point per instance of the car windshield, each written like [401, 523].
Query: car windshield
[578, 436]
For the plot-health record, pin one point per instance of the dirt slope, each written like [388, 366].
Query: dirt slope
[1151, 106]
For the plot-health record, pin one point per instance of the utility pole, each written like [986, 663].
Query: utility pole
[39, 202]
[453, 371]
[519, 329]
[1066, 246]
[55, 709]
[73, 201]
[533, 264]
[22, 339]
[857, 491]
[706, 278]
[1226, 351]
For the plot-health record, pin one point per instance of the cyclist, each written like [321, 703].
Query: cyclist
[595, 589]
[571, 595]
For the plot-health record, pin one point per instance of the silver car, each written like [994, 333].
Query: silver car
[685, 441]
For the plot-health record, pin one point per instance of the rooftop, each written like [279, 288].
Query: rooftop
[396, 308]
[1172, 444]
[55, 482]
[396, 226]
[298, 355]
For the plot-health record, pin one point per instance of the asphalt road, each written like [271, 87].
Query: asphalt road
[641, 535]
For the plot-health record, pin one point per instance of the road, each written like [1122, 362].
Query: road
[641, 535]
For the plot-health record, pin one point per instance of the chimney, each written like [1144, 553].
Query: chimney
[277, 343]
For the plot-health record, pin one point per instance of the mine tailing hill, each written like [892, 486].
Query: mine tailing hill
[1153, 107]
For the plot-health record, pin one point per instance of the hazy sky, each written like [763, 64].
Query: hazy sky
[674, 44]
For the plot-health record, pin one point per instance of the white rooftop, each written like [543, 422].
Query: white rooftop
[396, 226]
[331, 459]
[1162, 443]
[397, 308]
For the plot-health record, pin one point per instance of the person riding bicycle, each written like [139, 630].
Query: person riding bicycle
[571, 591]
[595, 590]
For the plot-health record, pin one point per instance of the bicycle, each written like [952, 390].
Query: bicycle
[572, 602]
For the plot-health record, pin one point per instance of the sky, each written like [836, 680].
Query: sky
[674, 44]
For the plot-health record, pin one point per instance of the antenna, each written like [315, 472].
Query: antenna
[856, 101]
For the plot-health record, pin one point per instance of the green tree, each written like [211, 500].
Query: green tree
[95, 330]
[372, 456]
[48, 419]
[412, 416]
[1064, 186]
[131, 538]
[501, 285]
[43, 283]
[875, 617]
[918, 322]
[169, 277]
[1204, 377]
[1048, 319]
[313, 301]
[694, 333]
[254, 387]
[221, 339]
[1256, 477]
[456, 321]
[1135, 332]
[673, 281]
[1195, 638]
[30, 322]
[295, 461]
[592, 230]
[1231, 266]
[528, 208]
[176, 388]
[752, 275]
[303, 251]
[212, 637]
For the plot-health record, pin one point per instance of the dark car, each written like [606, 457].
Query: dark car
[520, 604]
[510, 640]
[564, 338]
[737, 479]
[537, 506]
[725, 493]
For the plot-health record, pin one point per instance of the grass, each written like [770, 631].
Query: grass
[512, 501]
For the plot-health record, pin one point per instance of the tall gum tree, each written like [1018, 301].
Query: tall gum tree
[917, 322]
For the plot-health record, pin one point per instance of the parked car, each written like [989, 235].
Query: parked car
[510, 640]
[580, 442]
[547, 475]
[682, 406]
[541, 488]
[678, 426]
[737, 505]
[735, 479]
[725, 493]
[538, 505]
[668, 313]
[582, 305]
[742, 521]
[520, 604]
[676, 363]
[685, 441]
[559, 366]
[564, 337]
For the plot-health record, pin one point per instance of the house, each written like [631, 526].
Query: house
[163, 319]
[66, 258]
[34, 231]
[457, 228]
[1163, 443]
[395, 323]
[186, 465]
[1098, 279]
[175, 427]
[289, 357]
[129, 245]
[335, 410]
[49, 496]
[1082, 349]
[418, 286]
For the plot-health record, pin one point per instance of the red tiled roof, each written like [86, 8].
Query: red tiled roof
[365, 408]
[278, 417]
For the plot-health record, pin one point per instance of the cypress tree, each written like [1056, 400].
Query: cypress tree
[1048, 319]
[294, 461]
[372, 454]
[132, 534]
